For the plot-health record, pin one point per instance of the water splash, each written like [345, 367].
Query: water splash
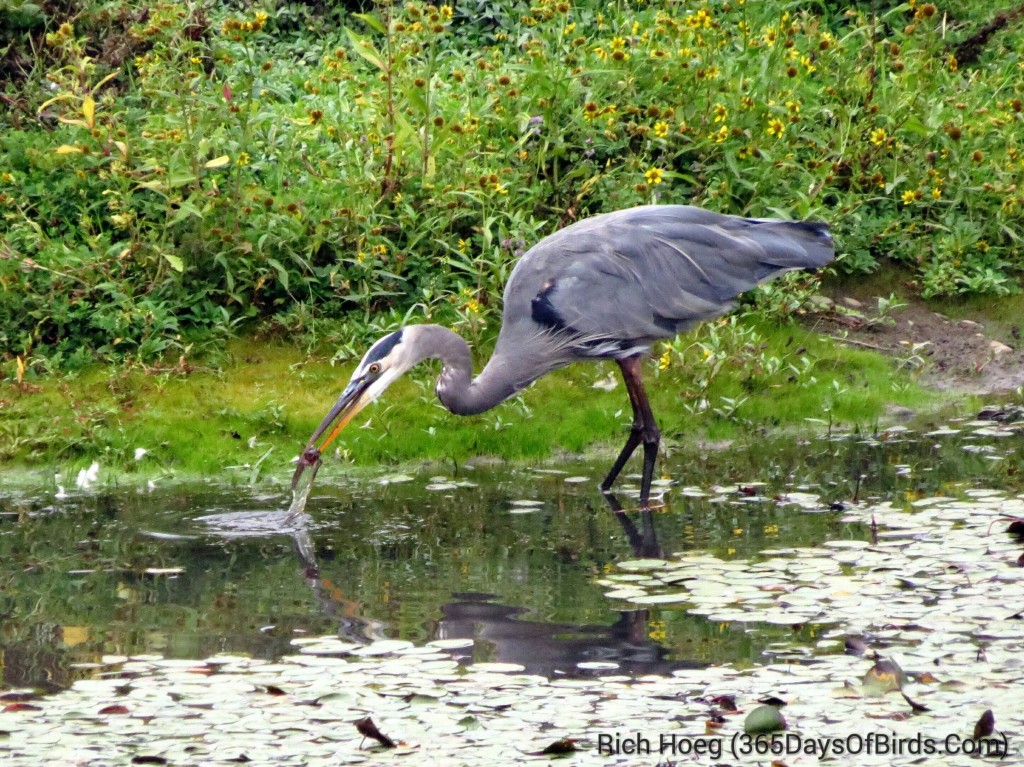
[302, 482]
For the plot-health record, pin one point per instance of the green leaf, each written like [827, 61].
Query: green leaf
[764, 719]
[365, 49]
[914, 125]
[175, 262]
[282, 273]
[416, 98]
[405, 133]
[371, 21]
[185, 210]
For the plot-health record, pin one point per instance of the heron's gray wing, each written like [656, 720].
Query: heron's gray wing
[638, 275]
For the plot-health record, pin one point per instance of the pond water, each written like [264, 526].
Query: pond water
[501, 569]
[513, 559]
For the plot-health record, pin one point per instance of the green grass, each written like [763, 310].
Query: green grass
[270, 396]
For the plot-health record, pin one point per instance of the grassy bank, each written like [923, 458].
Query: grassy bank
[250, 413]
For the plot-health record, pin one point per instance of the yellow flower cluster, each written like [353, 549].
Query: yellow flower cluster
[665, 360]
[235, 26]
[702, 19]
[65, 32]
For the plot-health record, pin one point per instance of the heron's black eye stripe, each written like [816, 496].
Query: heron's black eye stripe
[383, 347]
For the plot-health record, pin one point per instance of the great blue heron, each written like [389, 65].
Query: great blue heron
[605, 287]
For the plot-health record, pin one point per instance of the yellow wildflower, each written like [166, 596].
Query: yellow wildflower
[654, 176]
[776, 127]
[878, 136]
[661, 129]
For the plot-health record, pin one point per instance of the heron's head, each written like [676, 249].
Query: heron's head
[386, 360]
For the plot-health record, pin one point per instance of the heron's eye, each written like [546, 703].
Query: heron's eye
[374, 368]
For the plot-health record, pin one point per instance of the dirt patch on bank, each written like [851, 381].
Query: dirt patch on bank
[951, 354]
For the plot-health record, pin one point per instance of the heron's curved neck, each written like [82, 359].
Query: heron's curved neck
[456, 388]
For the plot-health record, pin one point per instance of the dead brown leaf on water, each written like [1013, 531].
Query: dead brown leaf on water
[368, 729]
[563, 746]
[986, 725]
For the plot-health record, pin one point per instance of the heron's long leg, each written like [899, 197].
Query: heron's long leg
[644, 428]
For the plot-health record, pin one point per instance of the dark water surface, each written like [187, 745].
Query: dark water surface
[191, 570]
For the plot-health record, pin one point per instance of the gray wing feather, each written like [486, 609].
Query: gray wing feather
[651, 272]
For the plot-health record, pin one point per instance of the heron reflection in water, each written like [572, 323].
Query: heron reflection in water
[606, 287]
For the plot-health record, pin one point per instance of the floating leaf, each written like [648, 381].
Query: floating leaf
[383, 647]
[368, 729]
[854, 646]
[764, 719]
[986, 725]
[563, 746]
[643, 564]
[10, 707]
[918, 707]
[660, 599]
[450, 644]
[885, 676]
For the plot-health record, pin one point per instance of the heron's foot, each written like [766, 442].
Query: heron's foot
[656, 506]
[642, 506]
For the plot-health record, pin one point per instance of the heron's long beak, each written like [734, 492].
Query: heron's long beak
[353, 399]
[359, 393]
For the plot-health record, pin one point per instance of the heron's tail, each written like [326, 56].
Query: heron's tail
[792, 244]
